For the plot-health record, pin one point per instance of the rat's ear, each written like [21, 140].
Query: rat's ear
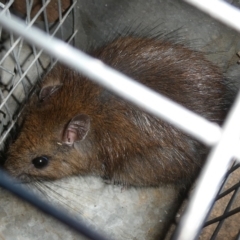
[76, 129]
[48, 91]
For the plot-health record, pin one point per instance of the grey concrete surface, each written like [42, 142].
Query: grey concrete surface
[120, 213]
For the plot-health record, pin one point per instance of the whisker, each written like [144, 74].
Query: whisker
[60, 198]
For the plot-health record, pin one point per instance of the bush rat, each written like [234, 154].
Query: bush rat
[75, 126]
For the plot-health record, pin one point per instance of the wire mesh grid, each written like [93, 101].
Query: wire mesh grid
[23, 64]
[17, 84]
[223, 217]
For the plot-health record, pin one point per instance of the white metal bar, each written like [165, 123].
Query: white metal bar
[122, 85]
[60, 16]
[237, 151]
[211, 177]
[6, 7]
[218, 161]
[62, 19]
[28, 19]
[220, 10]
[7, 70]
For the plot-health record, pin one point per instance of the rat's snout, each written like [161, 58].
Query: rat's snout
[16, 166]
[10, 168]
[17, 171]
[19, 176]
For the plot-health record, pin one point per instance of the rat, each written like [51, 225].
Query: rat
[74, 126]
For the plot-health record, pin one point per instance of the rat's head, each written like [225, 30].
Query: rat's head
[53, 140]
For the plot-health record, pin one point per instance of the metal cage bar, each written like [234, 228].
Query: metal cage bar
[210, 180]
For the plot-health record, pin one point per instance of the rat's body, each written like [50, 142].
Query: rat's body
[78, 127]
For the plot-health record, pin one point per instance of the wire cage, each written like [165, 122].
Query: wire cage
[28, 53]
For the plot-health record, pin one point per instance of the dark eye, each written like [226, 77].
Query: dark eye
[40, 162]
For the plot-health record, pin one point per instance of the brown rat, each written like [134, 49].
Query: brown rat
[77, 127]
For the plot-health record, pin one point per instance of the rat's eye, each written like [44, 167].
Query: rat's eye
[40, 162]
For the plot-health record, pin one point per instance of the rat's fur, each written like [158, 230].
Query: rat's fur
[123, 144]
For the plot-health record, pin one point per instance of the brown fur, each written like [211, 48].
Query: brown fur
[125, 144]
